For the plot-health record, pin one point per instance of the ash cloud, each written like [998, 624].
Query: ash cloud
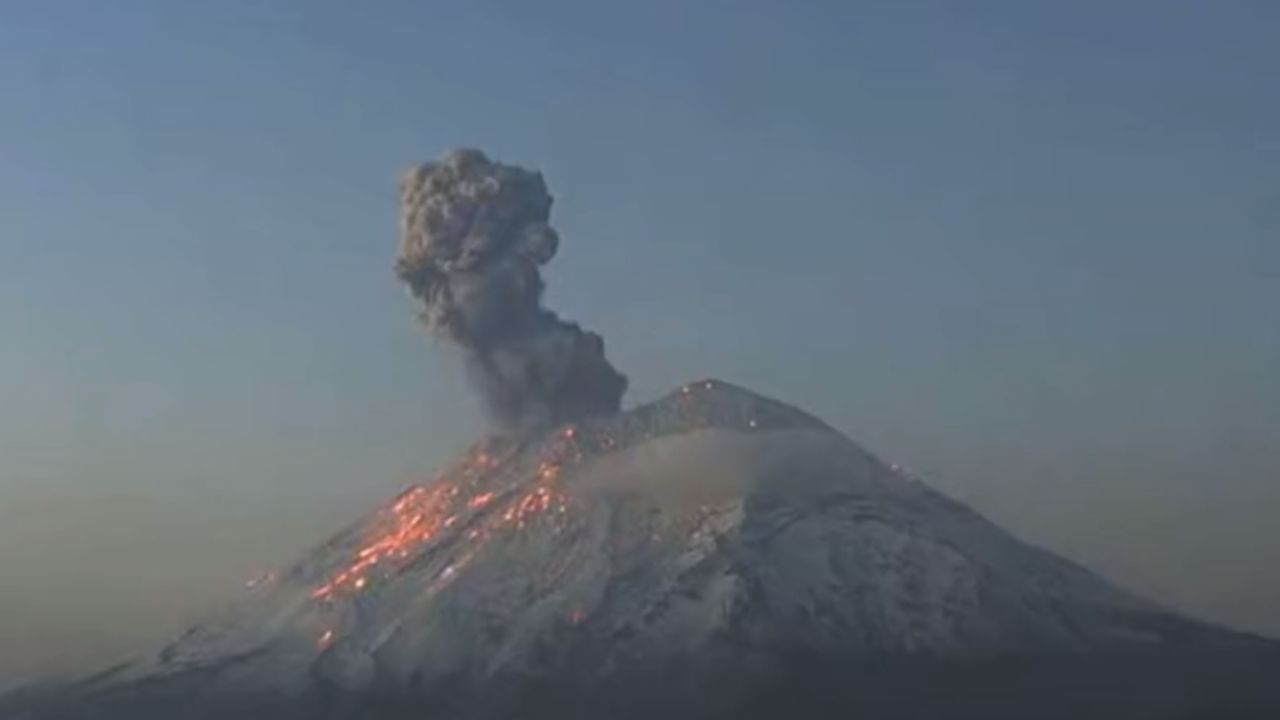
[473, 234]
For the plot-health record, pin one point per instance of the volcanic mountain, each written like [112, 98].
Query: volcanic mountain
[712, 553]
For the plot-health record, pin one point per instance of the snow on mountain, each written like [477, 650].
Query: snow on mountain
[712, 529]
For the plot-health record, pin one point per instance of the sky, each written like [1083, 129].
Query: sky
[1027, 250]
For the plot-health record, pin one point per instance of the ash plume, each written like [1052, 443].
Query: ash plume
[473, 234]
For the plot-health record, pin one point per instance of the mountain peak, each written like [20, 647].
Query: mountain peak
[713, 530]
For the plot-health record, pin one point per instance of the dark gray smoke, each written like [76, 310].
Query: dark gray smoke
[472, 235]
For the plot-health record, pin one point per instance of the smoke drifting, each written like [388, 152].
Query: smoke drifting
[473, 233]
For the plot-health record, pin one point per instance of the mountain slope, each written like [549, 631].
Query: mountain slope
[691, 551]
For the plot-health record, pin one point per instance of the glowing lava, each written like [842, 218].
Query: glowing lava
[480, 500]
[423, 513]
[417, 517]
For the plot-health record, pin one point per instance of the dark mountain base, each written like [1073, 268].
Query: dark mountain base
[1170, 685]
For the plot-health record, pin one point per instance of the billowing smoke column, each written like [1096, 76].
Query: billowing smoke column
[472, 235]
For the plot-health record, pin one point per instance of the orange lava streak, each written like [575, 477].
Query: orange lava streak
[421, 513]
[411, 521]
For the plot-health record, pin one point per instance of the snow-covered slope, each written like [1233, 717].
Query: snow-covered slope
[714, 530]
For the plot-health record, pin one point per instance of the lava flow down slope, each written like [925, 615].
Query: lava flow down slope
[678, 557]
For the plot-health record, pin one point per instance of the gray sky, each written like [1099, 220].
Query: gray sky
[1026, 249]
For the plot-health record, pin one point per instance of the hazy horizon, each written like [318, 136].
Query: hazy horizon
[1027, 251]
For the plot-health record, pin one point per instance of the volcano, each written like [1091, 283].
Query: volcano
[714, 553]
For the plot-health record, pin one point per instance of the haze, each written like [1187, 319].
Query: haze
[1026, 250]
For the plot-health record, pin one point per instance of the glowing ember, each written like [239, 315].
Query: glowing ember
[480, 500]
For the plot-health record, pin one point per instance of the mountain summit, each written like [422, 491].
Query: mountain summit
[712, 552]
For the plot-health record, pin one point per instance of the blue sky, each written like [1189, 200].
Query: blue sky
[1028, 249]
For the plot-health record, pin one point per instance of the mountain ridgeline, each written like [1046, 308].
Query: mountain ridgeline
[711, 554]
